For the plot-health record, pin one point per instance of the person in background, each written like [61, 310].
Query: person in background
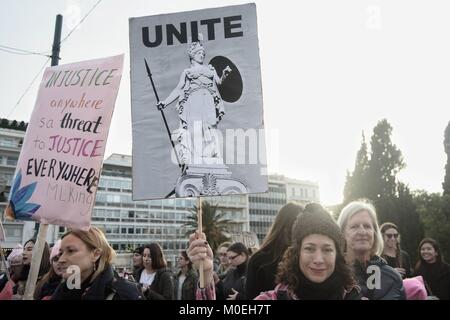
[27, 256]
[392, 252]
[50, 281]
[185, 283]
[138, 264]
[364, 245]
[224, 263]
[155, 278]
[263, 265]
[14, 261]
[313, 266]
[433, 268]
[86, 261]
[233, 286]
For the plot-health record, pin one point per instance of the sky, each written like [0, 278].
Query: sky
[330, 71]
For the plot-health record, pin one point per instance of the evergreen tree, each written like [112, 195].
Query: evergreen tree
[446, 184]
[356, 183]
[21, 126]
[4, 123]
[407, 218]
[434, 210]
[385, 162]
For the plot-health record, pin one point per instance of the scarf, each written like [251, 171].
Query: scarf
[331, 289]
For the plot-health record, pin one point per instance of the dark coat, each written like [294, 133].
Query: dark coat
[437, 277]
[161, 287]
[107, 286]
[406, 263]
[281, 292]
[189, 286]
[261, 272]
[391, 286]
[235, 279]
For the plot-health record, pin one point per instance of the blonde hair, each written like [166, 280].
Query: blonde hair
[355, 207]
[94, 238]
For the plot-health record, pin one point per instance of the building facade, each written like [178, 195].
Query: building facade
[264, 207]
[16, 232]
[128, 224]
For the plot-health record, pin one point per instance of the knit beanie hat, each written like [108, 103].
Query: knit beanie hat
[15, 257]
[55, 250]
[316, 220]
[415, 288]
[139, 250]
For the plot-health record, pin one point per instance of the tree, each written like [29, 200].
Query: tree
[434, 211]
[446, 184]
[14, 125]
[214, 225]
[374, 177]
[356, 183]
[21, 126]
[407, 218]
[4, 123]
[385, 162]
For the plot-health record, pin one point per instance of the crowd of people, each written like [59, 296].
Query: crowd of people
[306, 255]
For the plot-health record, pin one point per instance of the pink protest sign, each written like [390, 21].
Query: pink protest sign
[59, 165]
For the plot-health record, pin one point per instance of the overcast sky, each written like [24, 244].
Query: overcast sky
[330, 69]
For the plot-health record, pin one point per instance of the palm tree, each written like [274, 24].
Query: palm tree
[214, 226]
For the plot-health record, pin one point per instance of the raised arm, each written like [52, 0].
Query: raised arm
[199, 250]
[224, 75]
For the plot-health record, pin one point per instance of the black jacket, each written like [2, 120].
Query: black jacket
[107, 286]
[161, 287]
[437, 277]
[189, 286]
[261, 272]
[406, 263]
[390, 286]
[235, 279]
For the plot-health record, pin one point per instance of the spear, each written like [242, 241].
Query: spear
[149, 74]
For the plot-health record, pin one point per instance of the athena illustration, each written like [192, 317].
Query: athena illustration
[200, 108]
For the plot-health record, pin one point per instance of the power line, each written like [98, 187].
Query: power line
[80, 22]
[26, 52]
[28, 88]
[21, 51]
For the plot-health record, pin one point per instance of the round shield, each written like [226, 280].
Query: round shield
[231, 88]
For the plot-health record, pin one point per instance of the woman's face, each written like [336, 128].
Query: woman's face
[182, 262]
[137, 260]
[428, 253]
[146, 259]
[75, 252]
[236, 259]
[391, 238]
[199, 56]
[359, 233]
[57, 268]
[317, 257]
[222, 252]
[27, 253]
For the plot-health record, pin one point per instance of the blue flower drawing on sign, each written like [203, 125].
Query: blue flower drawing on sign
[18, 207]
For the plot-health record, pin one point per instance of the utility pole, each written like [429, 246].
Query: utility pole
[57, 40]
[42, 228]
